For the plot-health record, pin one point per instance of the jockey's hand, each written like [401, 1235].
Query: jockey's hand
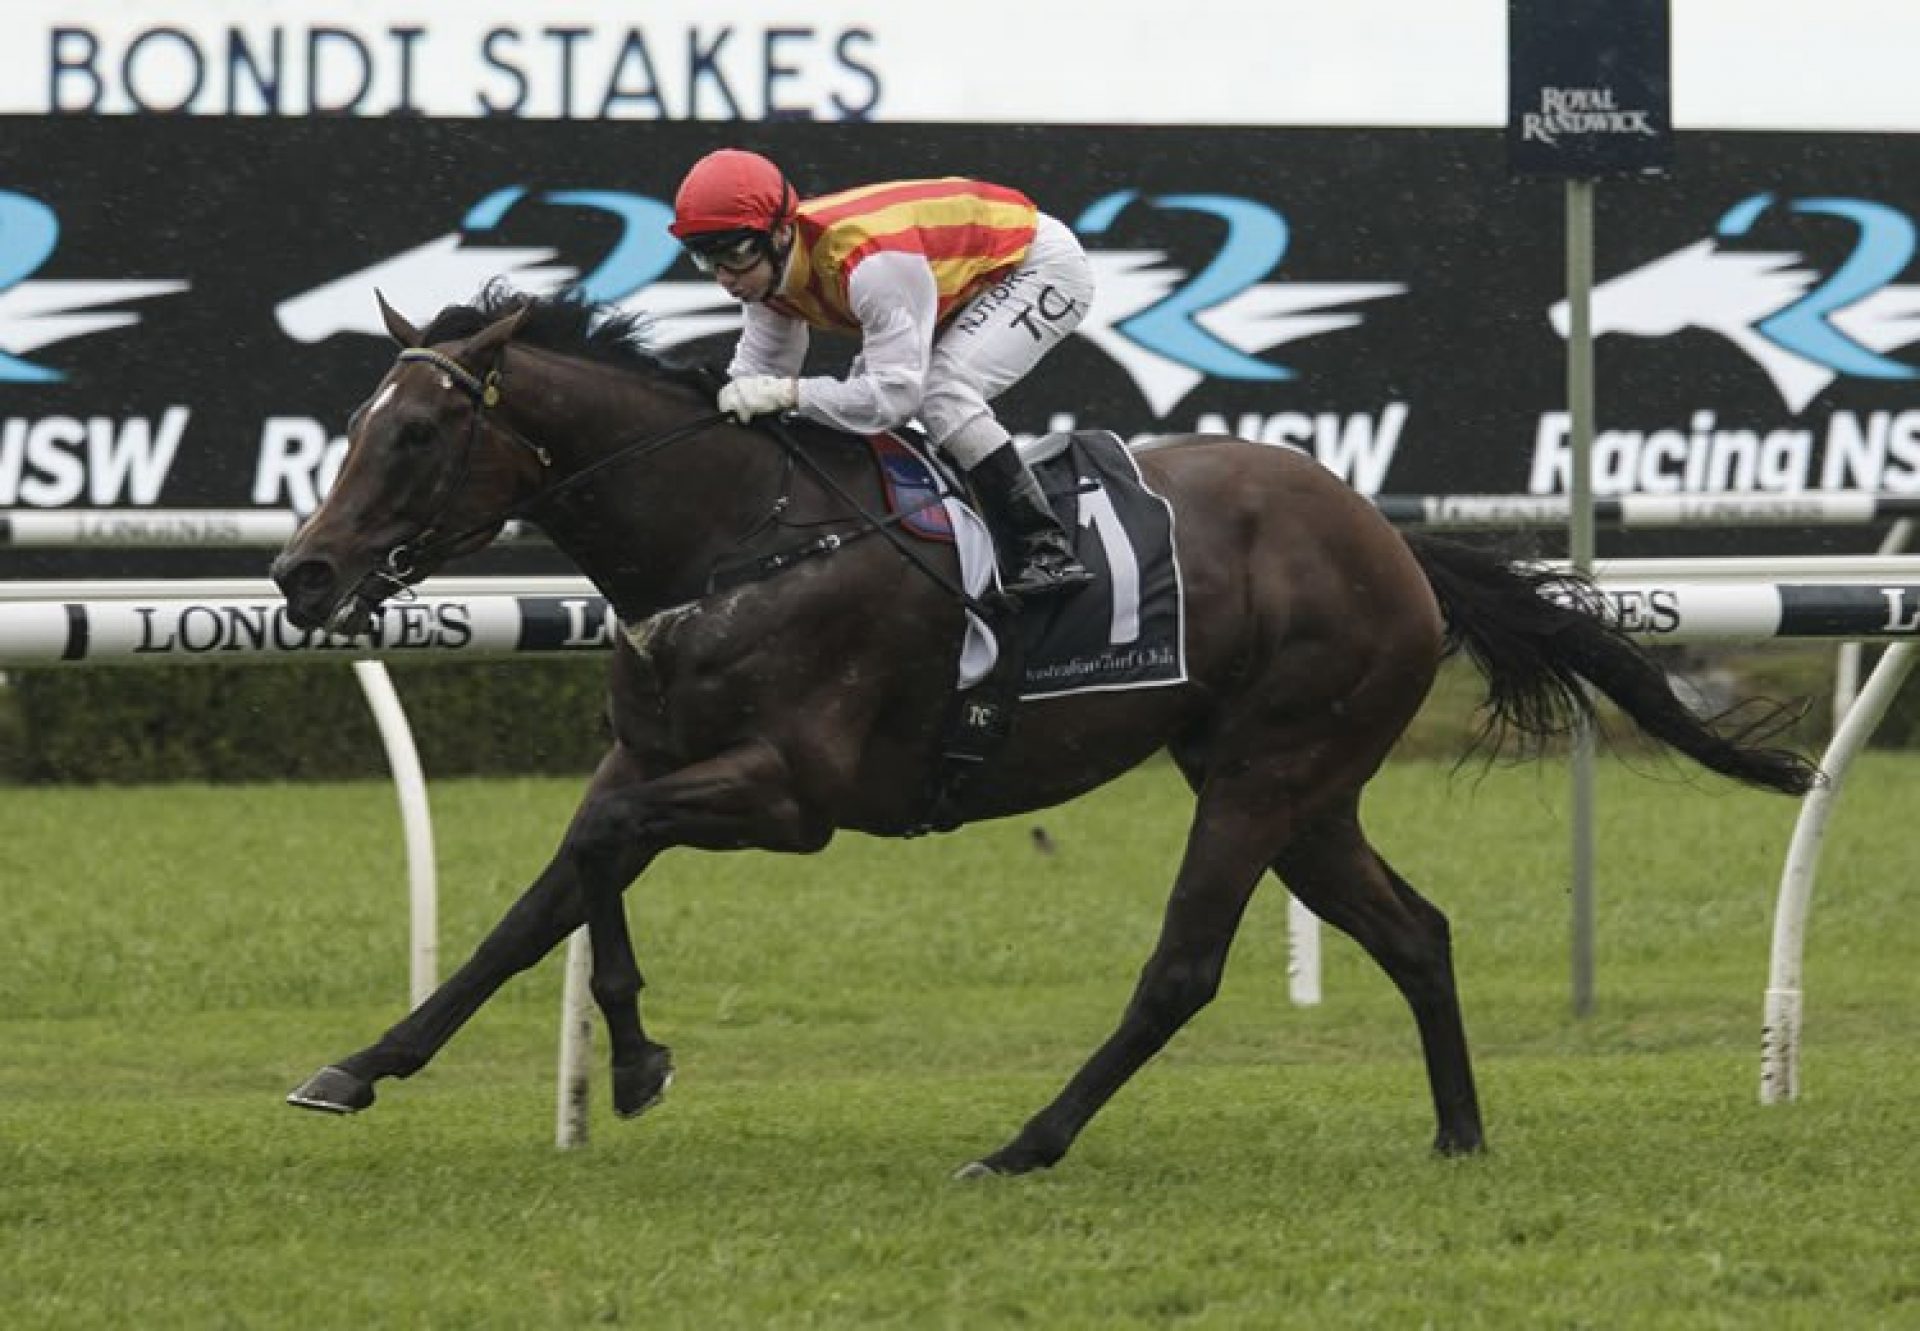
[758, 395]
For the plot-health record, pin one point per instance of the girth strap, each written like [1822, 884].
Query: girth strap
[979, 721]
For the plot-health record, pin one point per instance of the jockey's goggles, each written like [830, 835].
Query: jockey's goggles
[728, 251]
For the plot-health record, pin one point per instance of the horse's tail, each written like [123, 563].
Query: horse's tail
[1536, 633]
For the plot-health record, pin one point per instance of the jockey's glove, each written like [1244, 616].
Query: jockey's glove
[758, 395]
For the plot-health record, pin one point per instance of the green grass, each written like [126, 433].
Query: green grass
[851, 1026]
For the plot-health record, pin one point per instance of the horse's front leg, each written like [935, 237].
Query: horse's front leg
[741, 797]
[544, 915]
[596, 861]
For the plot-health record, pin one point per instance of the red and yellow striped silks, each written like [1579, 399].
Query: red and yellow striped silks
[970, 233]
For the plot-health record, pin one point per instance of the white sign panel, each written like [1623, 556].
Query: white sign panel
[1755, 64]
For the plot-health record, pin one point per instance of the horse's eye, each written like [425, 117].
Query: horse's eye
[416, 434]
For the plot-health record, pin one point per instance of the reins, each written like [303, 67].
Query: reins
[884, 526]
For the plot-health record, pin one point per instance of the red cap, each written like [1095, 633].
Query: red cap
[731, 190]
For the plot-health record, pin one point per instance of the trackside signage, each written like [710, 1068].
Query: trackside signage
[1844, 66]
[243, 631]
[735, 62]
[178, 337]
[175, 631]
[1681, 611]
[665, 60]
[1589, 87]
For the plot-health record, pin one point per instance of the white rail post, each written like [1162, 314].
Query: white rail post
[576, 1039]
[1303, 954]
[1780, 1023]
[403, 759]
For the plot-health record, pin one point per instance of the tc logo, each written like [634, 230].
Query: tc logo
[41, 314]
[1803, 328]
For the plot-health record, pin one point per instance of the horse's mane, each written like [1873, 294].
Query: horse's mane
[568, 323]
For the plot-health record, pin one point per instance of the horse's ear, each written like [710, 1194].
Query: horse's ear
[485, 344]
[397, 327]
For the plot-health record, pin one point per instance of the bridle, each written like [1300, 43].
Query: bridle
[403, 559]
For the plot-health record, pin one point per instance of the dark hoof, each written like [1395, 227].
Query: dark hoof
[642, 1084]
[1454, 1148]
[333, 1091]
[1008, 1162]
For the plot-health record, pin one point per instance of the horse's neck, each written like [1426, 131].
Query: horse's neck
[649, 529]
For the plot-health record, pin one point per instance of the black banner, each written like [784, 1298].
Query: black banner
[187, 320]
[1589, 87]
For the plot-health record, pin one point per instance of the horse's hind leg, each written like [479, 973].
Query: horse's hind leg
[1228, 849]
[1343, 880]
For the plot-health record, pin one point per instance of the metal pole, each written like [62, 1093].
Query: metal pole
[1780, 1020]
[1303, 954]
[576, 1038]
[416, 822]
[1580, 555]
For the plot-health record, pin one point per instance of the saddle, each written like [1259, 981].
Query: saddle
[1125, 631]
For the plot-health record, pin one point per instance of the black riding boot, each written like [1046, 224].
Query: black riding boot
[1036, 559]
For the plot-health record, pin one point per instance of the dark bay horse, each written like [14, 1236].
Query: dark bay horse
[786, 706]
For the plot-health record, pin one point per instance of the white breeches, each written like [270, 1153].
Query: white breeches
[998, 336]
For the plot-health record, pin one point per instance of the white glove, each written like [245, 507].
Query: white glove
[757, 395]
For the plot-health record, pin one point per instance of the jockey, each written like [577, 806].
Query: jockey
[956, 288]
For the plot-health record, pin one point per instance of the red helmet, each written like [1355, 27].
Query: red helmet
[731, 190]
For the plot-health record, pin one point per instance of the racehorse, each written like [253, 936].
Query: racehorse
[811, 694]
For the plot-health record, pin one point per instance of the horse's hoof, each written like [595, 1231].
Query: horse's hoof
[333, 1090]
[1030, 1152]
[639, 1086]
[1006, 1163]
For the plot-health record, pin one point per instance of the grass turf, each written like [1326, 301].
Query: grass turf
[851, 1026]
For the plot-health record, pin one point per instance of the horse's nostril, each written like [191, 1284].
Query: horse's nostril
[304, 580]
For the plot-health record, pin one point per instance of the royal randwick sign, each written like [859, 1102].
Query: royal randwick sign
[1589, 90]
